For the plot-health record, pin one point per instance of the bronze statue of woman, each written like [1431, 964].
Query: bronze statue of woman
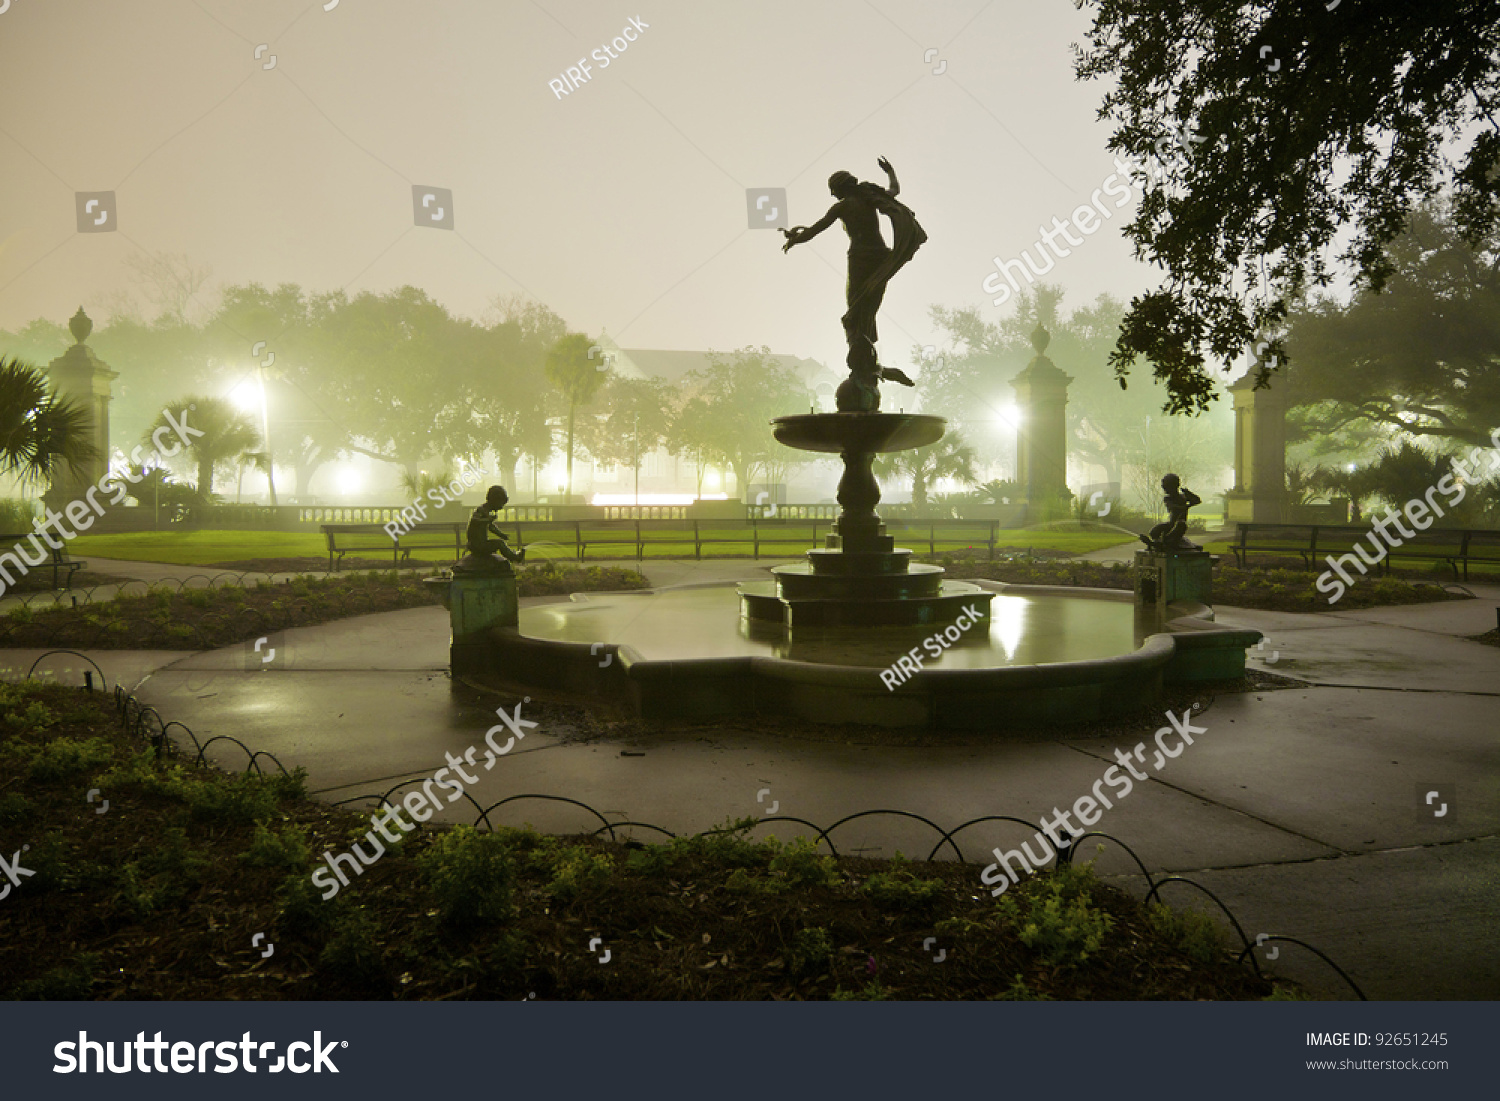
[871, 262]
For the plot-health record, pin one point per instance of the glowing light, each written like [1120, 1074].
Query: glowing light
[246, 397]
[1010, 414]
[1008, 622]
[349, 481]
[645, 499]
[712, 479]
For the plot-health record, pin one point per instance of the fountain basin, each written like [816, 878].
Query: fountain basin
[858, 432]
[1044, 656]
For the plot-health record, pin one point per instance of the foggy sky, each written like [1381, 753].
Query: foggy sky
[621, 205]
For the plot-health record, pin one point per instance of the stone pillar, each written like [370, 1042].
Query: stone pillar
[1259, 493]
[1042, 443]
[83, 378]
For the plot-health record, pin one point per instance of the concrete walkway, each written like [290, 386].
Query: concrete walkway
[1302, 809]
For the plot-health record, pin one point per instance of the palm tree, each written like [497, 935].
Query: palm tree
[950, 457]
[577, 376]
[227, 434]
[39, 431]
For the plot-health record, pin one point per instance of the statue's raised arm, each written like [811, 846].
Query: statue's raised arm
[872, 263]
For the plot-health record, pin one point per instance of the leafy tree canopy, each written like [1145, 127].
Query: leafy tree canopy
[1324, 123]
[1423, 357]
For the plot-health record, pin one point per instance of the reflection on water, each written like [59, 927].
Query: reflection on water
[706, 623]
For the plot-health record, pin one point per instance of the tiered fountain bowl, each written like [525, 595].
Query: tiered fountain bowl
[860, 578]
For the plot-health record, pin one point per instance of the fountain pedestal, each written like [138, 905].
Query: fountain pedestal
[476, 602]
[859, 578]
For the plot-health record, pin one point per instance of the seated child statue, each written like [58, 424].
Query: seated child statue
[1168, 537]
[482, 548]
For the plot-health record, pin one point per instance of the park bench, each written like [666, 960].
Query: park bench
[610, 533]
[1315, 542]
[61, 564]
[344, 538]
[1480, 545]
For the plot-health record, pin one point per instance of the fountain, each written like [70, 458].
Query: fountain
[860, 578]
[848, 635]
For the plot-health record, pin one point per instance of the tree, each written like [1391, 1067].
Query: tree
[636, 420]
[505, 377]
[1423, 357]
[1319, 120]
[577, 376]
[691, 435]
[948, 458]
[39, 431]
[1105, 427]
[740, 395]
[170, 281]
[227, 434]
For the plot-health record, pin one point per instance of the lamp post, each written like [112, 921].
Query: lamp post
[265, 422]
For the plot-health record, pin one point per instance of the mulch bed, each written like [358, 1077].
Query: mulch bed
[161, 897]
[1274, 590]
[205, 618]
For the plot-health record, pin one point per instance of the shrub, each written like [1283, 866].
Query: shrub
[14, 807]
[301, 909]
[285, 848]
[1056, 917]
[902, 890]
[1196, 934]
[579, 872]
[809, 952]
[798, 864]
[725, 845]
[71, 982]
[1020, 992]
[470, 876]
[353, 952]
[61, 757]
[238, 799]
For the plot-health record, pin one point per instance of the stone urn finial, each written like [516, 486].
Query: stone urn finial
[1040, 338]
[80, 326]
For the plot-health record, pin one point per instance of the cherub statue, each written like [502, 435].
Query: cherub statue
[482, 549]
[1168, 537]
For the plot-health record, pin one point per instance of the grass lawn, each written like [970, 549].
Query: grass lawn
[204, 548]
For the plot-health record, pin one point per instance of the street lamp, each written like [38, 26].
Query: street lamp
[265, 421]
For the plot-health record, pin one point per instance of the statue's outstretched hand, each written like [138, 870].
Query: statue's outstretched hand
[895, 374]
[884, 164]
[793, 236]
